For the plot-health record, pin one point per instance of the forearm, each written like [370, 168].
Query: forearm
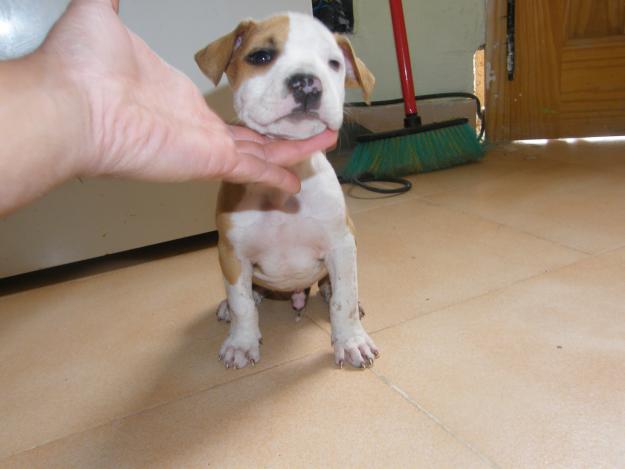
[40, 131]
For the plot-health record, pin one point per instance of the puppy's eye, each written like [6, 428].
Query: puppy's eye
[334, 65]
[260, 57]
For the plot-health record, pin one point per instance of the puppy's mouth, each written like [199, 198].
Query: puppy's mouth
[297, 116]
[300, 115]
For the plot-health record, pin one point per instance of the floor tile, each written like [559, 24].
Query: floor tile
[478, 288]
[304, 414]
[571, 204]
[602, 156]
[533, 375]
[414, 258]
[496, 164]
[78, 354]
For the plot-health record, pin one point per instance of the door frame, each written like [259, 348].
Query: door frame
[498, 89]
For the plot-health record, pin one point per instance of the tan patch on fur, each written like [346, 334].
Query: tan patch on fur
[272, 294]
[221, 56]
[304, 169]
[228, 261]
[323, 281]
[363, 79]
[215, 57]
[230, 195]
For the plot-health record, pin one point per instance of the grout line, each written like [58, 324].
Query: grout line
[174, 400]
[425, 198]
[435, 419]
[609, 250]
[455, 209]
[484, 294]
[327, 333]
[311, 319]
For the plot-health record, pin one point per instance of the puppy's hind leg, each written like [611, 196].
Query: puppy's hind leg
[223, 311]
[325, 289]
[258, 294]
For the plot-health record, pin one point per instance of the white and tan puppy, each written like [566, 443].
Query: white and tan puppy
[288, 74]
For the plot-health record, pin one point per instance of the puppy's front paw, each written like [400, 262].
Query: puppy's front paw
[356, 348]
[239, 350]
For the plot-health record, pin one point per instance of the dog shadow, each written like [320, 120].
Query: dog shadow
[191, 371]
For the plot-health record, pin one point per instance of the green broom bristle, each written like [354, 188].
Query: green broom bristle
[415, 153]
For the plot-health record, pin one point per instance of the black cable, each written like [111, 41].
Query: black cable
[405, 185]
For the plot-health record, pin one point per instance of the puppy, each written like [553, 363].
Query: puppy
[288, 74]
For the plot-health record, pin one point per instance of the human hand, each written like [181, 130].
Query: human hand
[141, 118]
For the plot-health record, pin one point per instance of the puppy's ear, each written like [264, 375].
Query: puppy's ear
[356, 74]
[214, 59]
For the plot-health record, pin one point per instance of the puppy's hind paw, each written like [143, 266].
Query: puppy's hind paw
[223, 312]
[325, 290]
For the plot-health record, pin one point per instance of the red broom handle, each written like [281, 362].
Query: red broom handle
[403, 56]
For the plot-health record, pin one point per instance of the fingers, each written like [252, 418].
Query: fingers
[249, 168]
[115, 5]
[281, 152]
[245, 134]
[252, 148]
[261, 159]
[249, 162]
[290, 152]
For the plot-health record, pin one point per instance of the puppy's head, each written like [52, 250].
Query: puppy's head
[288, 74]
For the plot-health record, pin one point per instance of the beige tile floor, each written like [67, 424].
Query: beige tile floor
[496, 292]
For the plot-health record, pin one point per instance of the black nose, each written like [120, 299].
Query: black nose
[306, 90]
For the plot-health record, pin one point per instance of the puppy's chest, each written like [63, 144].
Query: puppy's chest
[306, 222]
[287, 246]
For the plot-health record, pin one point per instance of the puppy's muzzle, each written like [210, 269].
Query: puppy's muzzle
[306, 90]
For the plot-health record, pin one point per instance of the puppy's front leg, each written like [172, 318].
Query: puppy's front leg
[242, 345]
[351, 342]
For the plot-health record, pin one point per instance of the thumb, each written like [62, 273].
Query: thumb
[290, 152]
[113, 3]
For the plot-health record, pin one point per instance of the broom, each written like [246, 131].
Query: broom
[417, 147]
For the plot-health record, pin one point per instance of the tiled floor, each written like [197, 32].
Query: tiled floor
[496, 292]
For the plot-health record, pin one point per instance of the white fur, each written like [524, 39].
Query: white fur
[262, 102]
[299, 239]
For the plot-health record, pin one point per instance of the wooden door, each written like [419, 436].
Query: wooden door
[569, 74]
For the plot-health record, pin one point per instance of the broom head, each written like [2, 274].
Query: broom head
[415, 150]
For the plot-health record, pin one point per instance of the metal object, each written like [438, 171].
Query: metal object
[510, 39]
[25, 23]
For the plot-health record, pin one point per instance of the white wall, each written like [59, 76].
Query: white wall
[83, 220]
[176, 30]
[443, 36]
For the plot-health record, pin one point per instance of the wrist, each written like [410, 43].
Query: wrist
[43, 137]
[66, 114]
